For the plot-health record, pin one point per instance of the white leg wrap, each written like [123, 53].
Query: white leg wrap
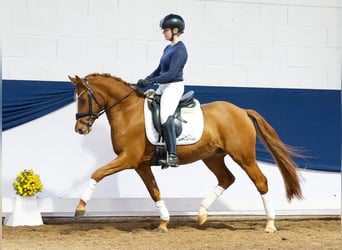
[209, 200]
[164, 213]
[268, 206]
[89, 191]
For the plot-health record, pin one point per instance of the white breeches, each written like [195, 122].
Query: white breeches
[170, 93]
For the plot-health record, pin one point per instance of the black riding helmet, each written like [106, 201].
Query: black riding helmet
[172, 21]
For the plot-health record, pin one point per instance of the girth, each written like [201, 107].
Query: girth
[186, 101]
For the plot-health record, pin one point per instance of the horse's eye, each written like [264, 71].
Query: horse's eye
[82, 101]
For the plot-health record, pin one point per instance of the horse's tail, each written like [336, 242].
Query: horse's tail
[280, 152]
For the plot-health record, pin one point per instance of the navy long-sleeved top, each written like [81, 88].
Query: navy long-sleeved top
[171, 64]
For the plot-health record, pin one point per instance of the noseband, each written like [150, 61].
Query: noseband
[103, 110]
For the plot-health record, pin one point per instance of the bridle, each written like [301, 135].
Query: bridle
[91, 98]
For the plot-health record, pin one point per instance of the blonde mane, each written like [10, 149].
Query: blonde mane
[109, 76]
[119, 79]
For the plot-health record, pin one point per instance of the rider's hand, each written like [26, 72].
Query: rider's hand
[144, 82]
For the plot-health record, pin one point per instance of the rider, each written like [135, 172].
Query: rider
[169, 77]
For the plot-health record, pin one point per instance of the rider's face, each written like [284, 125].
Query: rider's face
[167, 34]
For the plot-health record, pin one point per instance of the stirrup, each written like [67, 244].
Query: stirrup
[171, 161]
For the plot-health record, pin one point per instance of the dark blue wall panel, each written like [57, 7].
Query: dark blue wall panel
[307, 119]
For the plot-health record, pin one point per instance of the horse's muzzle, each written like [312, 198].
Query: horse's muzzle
[83, 131]
[82, 127]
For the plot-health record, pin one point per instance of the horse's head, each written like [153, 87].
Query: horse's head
[95, 95]
[88, 106]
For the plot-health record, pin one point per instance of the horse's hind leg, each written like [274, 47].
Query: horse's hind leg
[147, 176]
[260, 181]
[224, 177]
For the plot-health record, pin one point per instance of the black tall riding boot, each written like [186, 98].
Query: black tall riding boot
[169, 135]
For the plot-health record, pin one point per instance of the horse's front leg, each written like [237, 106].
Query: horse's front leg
[118, 164]
[147, 176]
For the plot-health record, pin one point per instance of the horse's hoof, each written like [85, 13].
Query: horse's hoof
[270, 230]
[202, 218]
[270, 227]
[161, 230]
[79, 213]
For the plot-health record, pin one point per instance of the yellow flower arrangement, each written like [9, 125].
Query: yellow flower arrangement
[27, 183]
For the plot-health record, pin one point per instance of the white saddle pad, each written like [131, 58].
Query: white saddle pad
[192, 129]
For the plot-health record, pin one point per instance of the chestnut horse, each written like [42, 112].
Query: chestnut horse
[228, 129]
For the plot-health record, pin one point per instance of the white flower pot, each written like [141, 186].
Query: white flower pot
[25, 212]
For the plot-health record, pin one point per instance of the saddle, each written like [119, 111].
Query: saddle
[186, 101]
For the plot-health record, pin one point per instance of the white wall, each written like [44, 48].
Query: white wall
[268, 43]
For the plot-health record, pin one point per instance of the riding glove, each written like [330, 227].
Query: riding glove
[144, 82]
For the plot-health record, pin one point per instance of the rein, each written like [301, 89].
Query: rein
[103, 110]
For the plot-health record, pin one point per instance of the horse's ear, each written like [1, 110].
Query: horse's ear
[79, 81]
[76, 80]
[72, 79]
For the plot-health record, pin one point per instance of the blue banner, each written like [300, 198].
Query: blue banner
[24, 101]
[307, 119]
